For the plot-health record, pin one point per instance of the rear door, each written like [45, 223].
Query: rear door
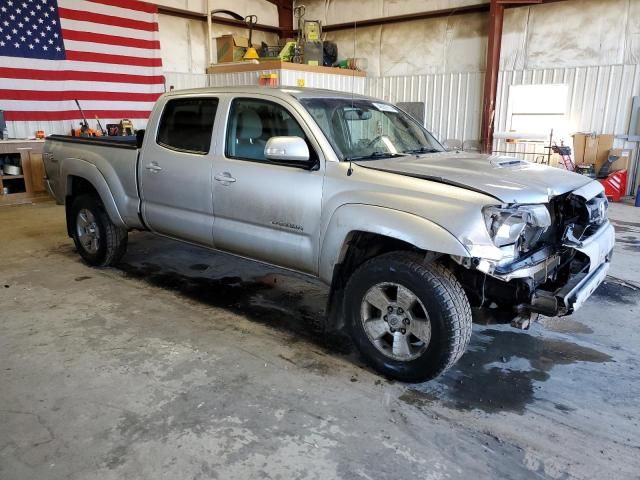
[176, 168]
[263, 210]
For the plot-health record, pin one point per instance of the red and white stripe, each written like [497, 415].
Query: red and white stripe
[113, 66]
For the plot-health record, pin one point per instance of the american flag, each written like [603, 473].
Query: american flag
[105, 53]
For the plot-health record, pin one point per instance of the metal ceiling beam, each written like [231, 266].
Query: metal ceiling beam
[178, 12]
[445, 12]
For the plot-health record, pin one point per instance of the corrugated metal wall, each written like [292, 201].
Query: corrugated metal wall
[600, 97]
[600, 100]
[453, 100]
[181, 81]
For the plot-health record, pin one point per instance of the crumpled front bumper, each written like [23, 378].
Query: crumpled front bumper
[598, 248]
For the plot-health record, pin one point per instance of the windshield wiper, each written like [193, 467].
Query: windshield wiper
[422, 150]
[375, 156]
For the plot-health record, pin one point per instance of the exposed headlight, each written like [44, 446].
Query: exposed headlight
[520, 225]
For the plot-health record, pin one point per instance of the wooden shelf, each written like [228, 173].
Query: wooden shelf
[238, 67]
[31, 181]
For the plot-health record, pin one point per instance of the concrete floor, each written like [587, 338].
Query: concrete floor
[183, 364]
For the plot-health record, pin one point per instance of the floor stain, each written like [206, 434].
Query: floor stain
[615, 292]
[199, 267]
[563, 408]
[564, 325]
[499, 371]
[629, 243]
[623, 223]
[82, 278]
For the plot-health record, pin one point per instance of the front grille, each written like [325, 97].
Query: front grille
[576, 219]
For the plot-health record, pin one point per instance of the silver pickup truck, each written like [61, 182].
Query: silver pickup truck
[411, 238]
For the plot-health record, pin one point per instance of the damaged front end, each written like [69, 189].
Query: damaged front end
[553, 257]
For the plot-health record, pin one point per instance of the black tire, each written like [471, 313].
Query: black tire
[440, 294]
[112, 241]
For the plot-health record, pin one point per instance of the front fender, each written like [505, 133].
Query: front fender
[404, 226]
[75, 167]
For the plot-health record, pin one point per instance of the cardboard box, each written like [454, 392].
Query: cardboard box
[592, 149]
[231, 48]
[624, 158]
[579, 140]
[605, 143]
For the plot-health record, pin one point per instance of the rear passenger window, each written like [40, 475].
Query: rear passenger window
[186, 124]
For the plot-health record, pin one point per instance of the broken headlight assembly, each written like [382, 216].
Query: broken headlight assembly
[516, 229]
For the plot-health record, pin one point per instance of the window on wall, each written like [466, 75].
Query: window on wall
[536, 109]
[186, 124]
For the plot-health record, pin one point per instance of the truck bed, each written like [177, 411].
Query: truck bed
[109, 164]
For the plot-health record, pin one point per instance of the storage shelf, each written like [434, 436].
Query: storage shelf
[10, 177]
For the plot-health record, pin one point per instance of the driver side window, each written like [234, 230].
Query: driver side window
[252, 123]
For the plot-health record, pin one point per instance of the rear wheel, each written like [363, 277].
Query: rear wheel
[411, 320]
[98, 241]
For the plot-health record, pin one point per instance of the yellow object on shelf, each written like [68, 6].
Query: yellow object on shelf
[251, 54]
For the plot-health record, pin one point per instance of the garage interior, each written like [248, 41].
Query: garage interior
[181, 362]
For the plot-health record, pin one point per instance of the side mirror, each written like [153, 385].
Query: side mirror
[288, 151]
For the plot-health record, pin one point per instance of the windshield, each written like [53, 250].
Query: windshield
[365, 129]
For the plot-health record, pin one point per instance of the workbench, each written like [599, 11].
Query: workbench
[29, 186]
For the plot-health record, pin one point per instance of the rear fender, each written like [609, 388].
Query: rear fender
[75, 167]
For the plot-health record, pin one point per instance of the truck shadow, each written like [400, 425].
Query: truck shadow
[282, 300]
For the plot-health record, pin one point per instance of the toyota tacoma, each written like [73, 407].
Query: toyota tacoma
[414, 241]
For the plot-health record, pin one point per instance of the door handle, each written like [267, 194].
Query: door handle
[225, 178]
[153, 167]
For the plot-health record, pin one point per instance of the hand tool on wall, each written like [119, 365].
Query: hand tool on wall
[299, 12]
[251, 54]
[85, 130]
[104, 132]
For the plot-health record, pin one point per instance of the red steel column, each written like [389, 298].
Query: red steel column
[496, 14]
[285, 18]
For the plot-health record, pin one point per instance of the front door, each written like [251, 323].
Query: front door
[266, 211]
[176, 168]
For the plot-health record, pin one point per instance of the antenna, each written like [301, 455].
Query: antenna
[353, 72]
[353, 86]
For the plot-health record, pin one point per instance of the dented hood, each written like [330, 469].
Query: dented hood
[506, 178]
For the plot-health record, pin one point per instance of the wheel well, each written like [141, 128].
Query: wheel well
[357, 249]
[77, 186]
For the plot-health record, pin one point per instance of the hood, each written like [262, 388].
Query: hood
[508, 179]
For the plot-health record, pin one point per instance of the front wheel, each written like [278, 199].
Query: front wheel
[411, 320]
[98, 241]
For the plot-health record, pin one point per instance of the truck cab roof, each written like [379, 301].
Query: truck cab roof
[282, 92]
